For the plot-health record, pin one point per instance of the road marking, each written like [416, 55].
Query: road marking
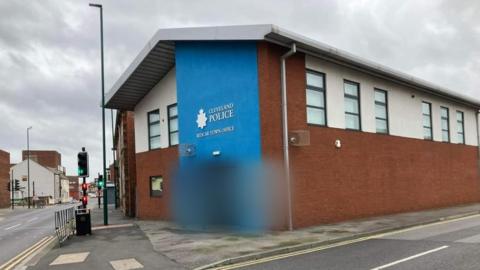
[320, 248]
[409, 258]
[32, 219]
[11, 227]
[13, 262]
[471, 239]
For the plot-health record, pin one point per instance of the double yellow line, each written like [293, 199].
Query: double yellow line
[343, 243]
[13, 262]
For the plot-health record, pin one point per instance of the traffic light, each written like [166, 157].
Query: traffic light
[84, 201]
[8, 186]
[101, 182]
[82, 164]
[17, 185]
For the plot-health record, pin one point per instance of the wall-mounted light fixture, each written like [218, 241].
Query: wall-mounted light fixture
[338, 143]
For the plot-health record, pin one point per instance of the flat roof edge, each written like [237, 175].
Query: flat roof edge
[279, 34]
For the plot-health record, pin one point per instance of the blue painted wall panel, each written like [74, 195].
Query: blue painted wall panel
[212, 74]
[219, 79]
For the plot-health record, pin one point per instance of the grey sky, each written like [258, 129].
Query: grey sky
[50, 69]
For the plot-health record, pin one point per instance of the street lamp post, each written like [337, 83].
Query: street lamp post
[28, 165]
[105, 200]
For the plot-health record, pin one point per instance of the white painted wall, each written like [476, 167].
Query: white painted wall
[162, 95]
[43, 178]
[404, 112]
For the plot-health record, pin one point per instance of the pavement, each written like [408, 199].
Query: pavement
[22, 227]
[119, 246]
[198, 249]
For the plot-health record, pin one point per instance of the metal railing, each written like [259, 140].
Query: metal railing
[64, 223]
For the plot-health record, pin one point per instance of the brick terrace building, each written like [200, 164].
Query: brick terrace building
[4, 178]
[380, 141]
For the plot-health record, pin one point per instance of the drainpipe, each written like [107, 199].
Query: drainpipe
[286, 159]
[477, 118]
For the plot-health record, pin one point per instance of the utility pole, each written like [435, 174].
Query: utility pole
[105, 199]
[28, 165]
[13, 190]
[33, 195]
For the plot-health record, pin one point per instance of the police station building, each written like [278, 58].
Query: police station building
[351, 138]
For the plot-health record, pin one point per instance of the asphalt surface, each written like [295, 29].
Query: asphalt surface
[23, 227]
[452, 245]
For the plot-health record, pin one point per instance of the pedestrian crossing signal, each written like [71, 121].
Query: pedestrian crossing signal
[101, 183]
[84, 200]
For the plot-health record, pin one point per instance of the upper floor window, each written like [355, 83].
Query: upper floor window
[460, 128]
[445, 122]
[427, 120]
[154, 129]
[352, 105]
[172, 124]
[315, 98]
[381, 111]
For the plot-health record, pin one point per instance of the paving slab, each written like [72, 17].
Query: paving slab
[126, 264]
[70, 258]
[125, 246]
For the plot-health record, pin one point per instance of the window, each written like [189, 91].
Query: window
[172, 124]
[381, 111]
[316, 98]
[444, 118]
[154, 129]
[427, 120]
[156, 186]
[460, 128]
[352, 105]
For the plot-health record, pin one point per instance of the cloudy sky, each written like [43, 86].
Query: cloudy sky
[50, 60]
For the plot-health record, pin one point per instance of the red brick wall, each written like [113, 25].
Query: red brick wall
[126, 160]
[46, 158]
[371, 174]
[158, 162]
[4, 179]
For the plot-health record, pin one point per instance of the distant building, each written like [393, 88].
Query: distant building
[4, 178]
[74, 187]
[125, 172]
[48, 184]
[46, 158]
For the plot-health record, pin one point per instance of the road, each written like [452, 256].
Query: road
[448, 245]
[24, 227]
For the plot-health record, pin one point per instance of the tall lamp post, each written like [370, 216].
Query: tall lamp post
[105, 200]
[28, 165]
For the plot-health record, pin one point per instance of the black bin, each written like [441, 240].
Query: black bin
[82, 221]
